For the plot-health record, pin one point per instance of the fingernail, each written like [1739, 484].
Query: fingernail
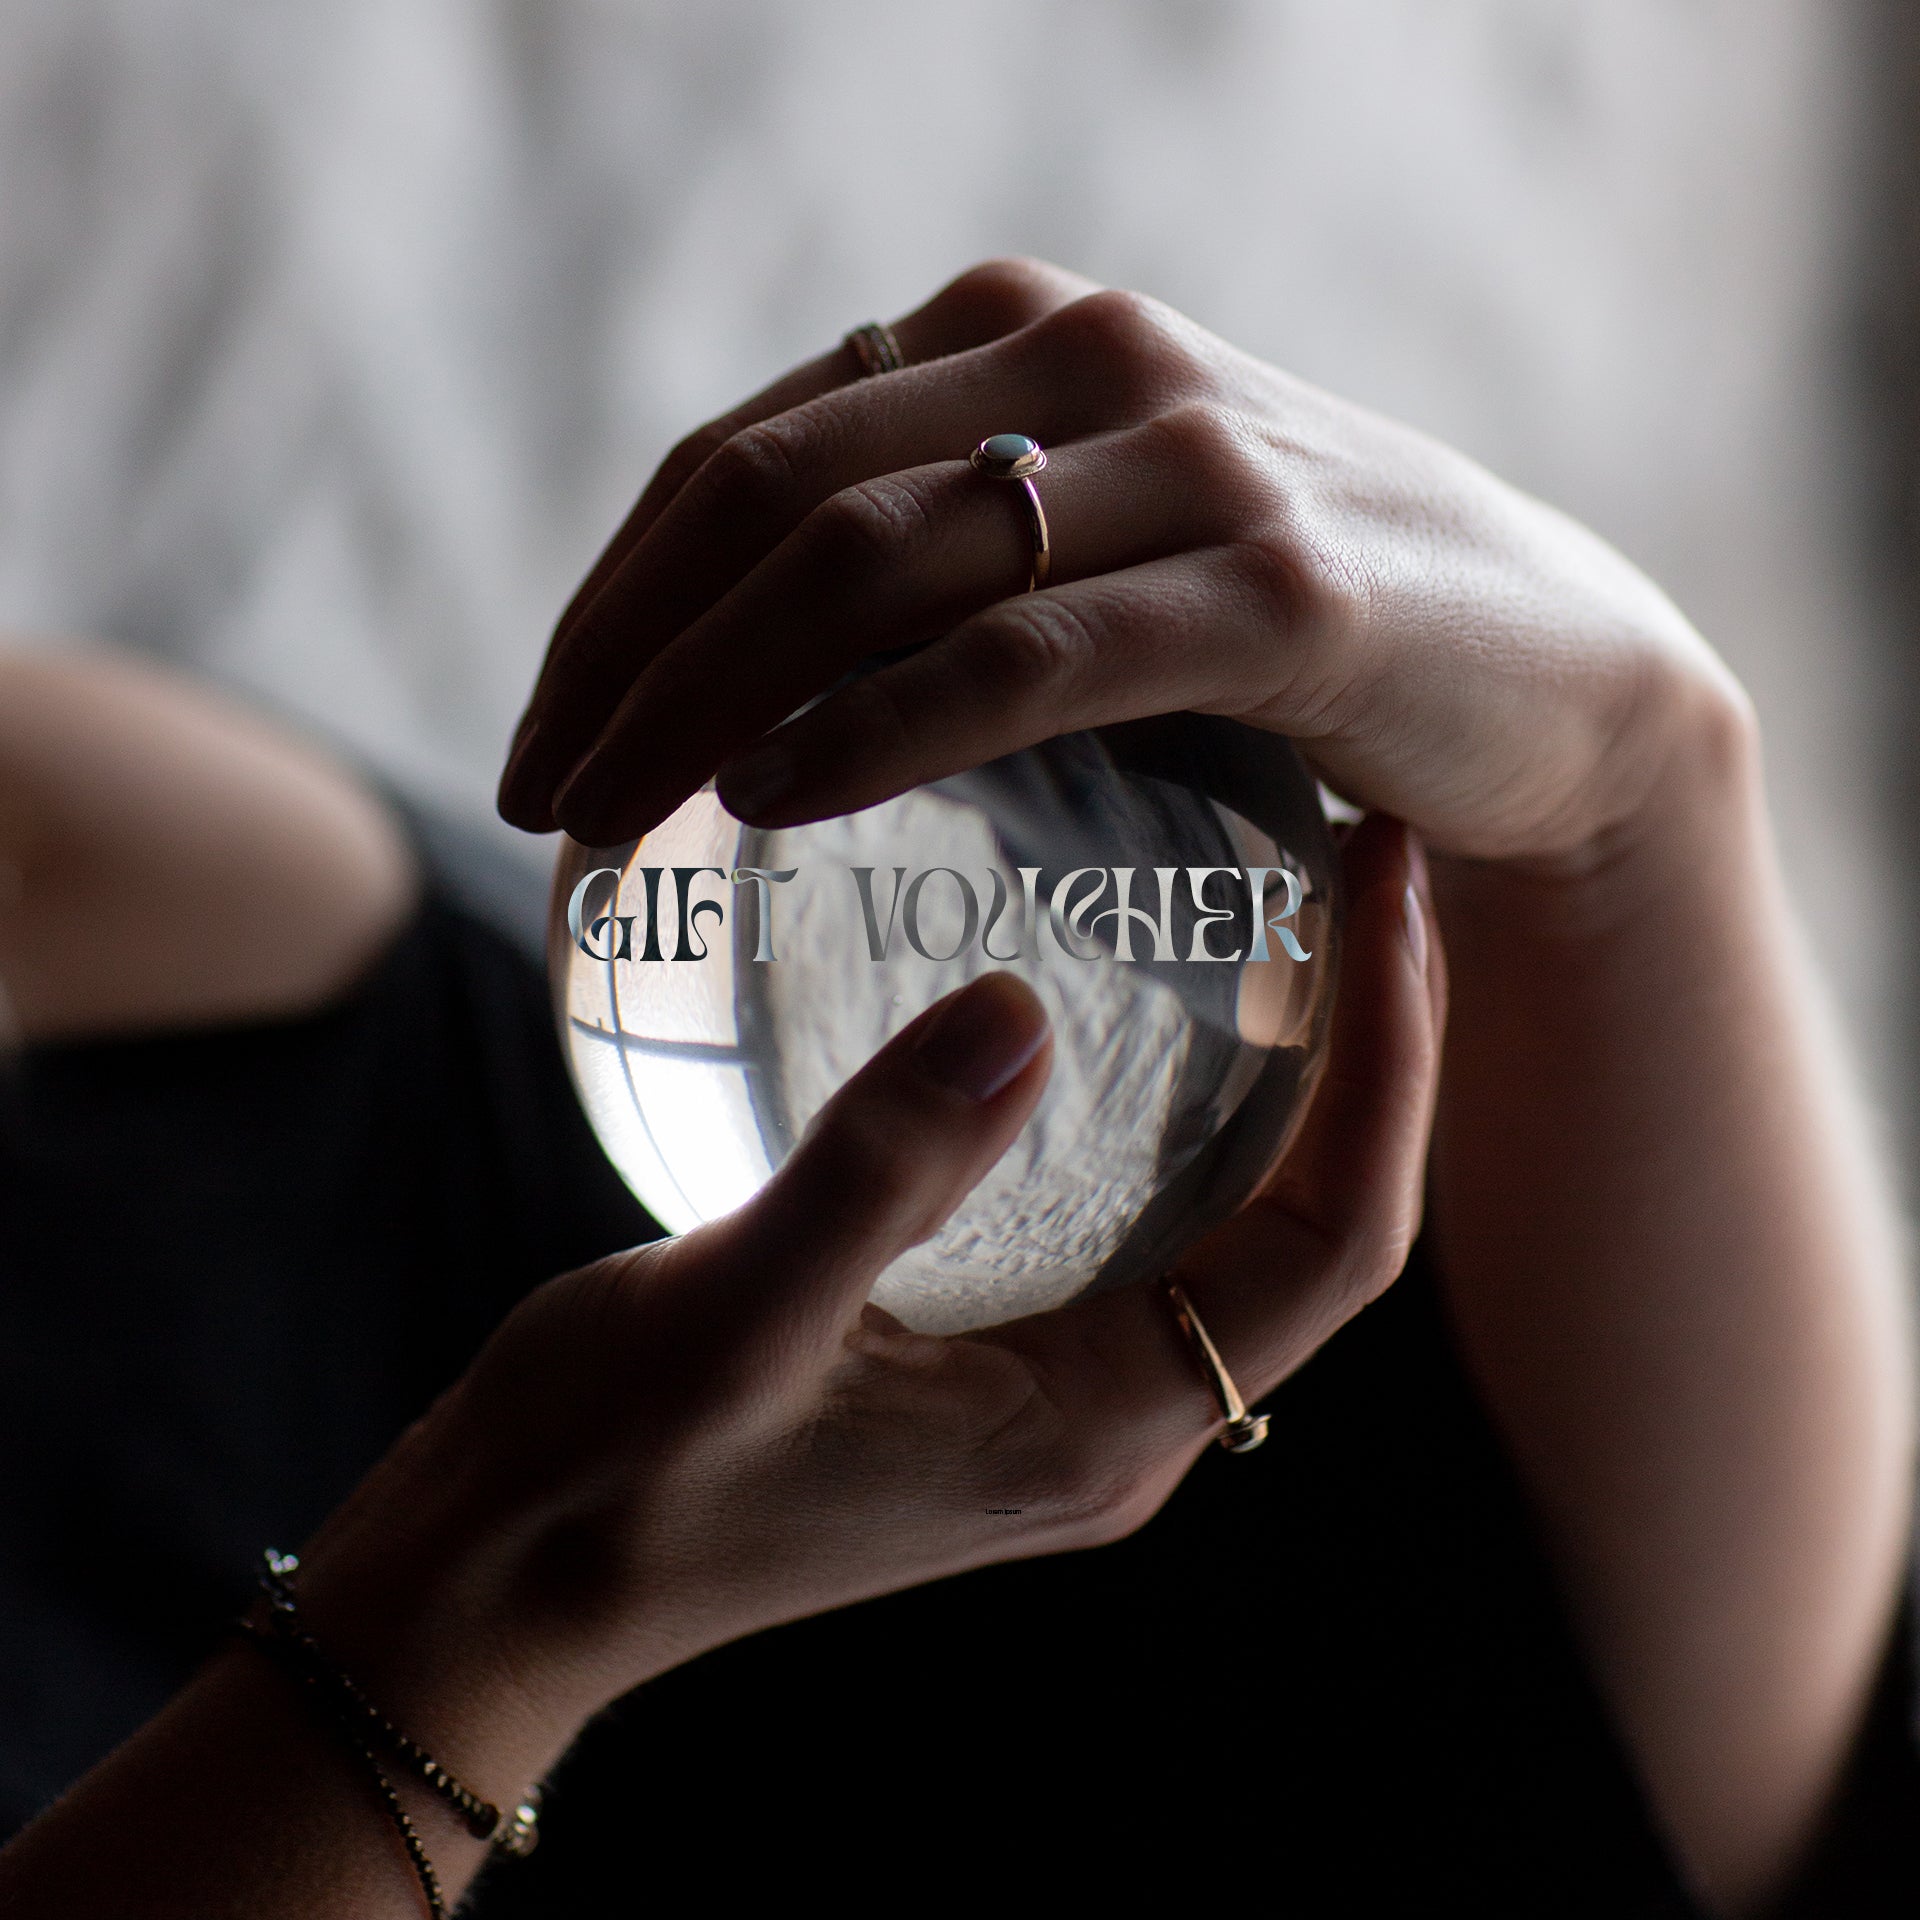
[575, 795]
[983, 1038]
[758, 780]
[1416, 922]
[1417, 874]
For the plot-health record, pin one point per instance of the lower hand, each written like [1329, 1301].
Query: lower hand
[690, 1442]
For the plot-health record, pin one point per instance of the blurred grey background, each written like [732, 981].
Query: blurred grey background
[334, 339]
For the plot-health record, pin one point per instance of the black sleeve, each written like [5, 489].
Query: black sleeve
[234, 1265]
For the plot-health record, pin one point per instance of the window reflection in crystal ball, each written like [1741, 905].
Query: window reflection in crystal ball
[1167, 888]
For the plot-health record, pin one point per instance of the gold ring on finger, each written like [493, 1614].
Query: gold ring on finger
[877, 348]
[1245, 1430]
[1018, 457]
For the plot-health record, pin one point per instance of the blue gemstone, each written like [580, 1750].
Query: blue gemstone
[1009, 447]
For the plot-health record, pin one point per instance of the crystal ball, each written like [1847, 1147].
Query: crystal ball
[1168, 889]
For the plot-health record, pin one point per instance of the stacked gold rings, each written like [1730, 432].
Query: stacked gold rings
[876, 348]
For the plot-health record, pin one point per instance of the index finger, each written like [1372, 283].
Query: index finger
[571, 702]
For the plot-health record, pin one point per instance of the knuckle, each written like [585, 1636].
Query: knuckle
[1098, 1498]
[693, 453]
[1373, 1260]
[1036, 644]
[1122, 338]
[1219, 457]
[1118, 319]
[847, 1149]
[870, 527]
[1365, 1241]
[872, 725]
[1000, 296]
[865, 1169]
[1297, 586]
[756, 470]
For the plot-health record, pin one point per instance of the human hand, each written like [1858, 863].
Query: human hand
[690, 1442]
[1226, 539]
[1632, 998]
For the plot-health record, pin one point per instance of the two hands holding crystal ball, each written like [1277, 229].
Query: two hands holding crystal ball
[709, 1435]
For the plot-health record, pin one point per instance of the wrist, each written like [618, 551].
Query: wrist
[488, 1579]
[415, 1587]
[1688, 837]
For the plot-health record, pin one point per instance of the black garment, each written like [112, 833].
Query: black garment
[1332, 1677]
[233, 1266]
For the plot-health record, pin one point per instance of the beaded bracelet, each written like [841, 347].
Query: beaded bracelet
[367, 1731]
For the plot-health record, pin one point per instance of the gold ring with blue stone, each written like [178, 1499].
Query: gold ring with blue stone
[1018, 457]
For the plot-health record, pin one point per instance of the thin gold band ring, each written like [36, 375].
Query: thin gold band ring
[1018, 457]
[1245, 1430]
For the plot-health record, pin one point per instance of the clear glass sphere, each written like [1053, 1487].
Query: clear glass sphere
[1166, 887]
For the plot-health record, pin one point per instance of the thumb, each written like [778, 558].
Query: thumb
[892, 1154]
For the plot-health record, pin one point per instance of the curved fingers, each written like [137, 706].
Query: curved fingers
[1198, 632]
[982, 305]
[1344, 1205]
[1097, 363]
[1328, 1235]
[886, 564]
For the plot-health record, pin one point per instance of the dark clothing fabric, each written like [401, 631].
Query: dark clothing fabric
[233, 1266]
[1331, 1676]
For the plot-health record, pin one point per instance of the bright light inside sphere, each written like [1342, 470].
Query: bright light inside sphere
[1167, 888]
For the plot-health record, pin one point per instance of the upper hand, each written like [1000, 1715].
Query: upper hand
[1226, 539]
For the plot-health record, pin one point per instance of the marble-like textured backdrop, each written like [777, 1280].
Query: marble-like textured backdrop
[334, 338]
